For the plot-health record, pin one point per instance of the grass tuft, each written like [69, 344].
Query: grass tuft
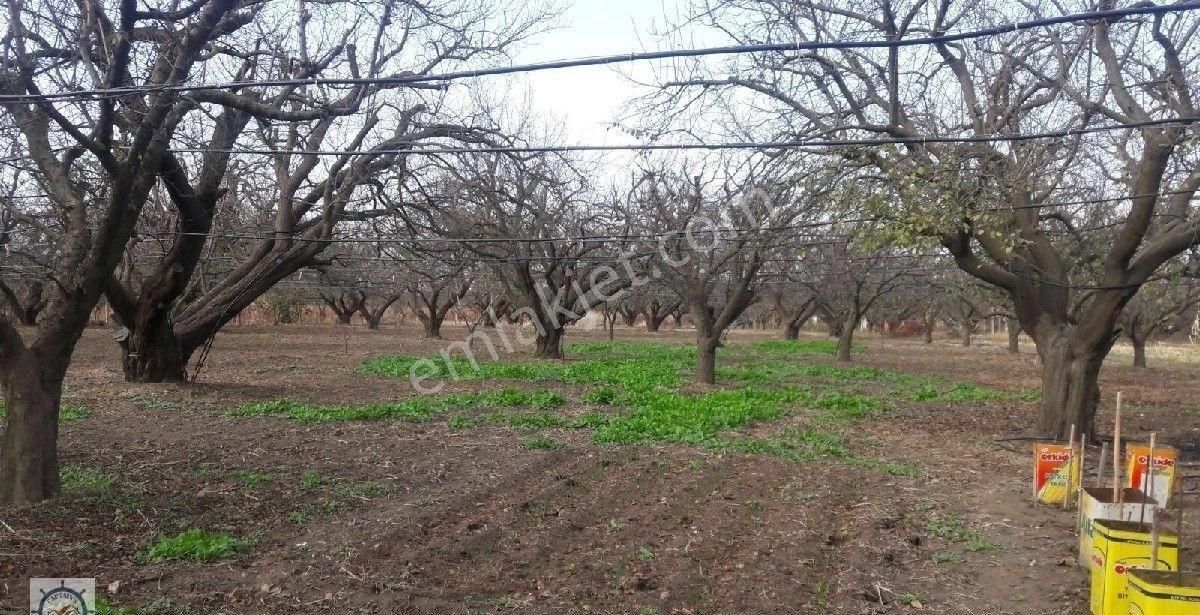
[85, 479]
[545, 443]
[193, 545]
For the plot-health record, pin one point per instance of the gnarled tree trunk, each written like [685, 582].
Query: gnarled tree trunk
[431, 324]
[1139, 350]
[549, 344]
[1070, 384]
[1014, 336]
[654, 322]
[154, 354]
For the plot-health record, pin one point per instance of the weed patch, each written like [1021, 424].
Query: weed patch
[66, 413]
[658, 416]
[193, 545]
[847, 407]
[416, 409]
[250, 478]
[955, 530]
[544, 443]
[808, 444]
[805, 346]
[310, 480]
[84, 479]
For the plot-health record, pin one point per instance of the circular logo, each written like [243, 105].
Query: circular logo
[62, 600]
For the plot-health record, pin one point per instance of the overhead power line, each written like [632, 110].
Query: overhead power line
[765, 145]
[798, 46]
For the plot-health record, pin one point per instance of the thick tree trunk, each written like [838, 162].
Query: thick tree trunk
[791, 330]
[1070, 387]
[373, 321]
[629, 320]
[845, 340]
[432, 326]
[1014, 336]
[343, 318]
[155, 355]
[966, 337]
[1139, 351]
[706, 360]
[654, 323]
[928, 333]
[549, 344]
[29, 460]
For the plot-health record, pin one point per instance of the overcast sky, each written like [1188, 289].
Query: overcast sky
[586, 99]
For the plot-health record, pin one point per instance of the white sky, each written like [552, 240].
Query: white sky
[586, 99]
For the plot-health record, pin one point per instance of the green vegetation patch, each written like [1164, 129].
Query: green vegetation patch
[629, 366]
[658, 416]
[545, 443]
[955, 530]
[250, 478]
[803, 346]
[193, 545]
[84, 479]
[66, 413]
[415, 409]
[812, 444]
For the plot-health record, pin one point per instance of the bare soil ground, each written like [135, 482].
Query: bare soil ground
[424, 518]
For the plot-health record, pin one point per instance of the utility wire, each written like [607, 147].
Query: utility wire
[737, 145]
[798, 46]
[637, 237]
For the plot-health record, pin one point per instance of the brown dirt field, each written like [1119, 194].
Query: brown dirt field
[469, 521]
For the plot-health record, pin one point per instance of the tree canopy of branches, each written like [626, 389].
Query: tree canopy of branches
[97, 160]
[994, 205]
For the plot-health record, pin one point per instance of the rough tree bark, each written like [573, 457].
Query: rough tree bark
[1139, 350]
[549, 344]
[846, 338]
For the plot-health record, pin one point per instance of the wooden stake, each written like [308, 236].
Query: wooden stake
[1116, 479]
[1083, 442]
[1154, 540]
[1103, 463]
[1179, 527]
[1148, 481]
[1066, 503]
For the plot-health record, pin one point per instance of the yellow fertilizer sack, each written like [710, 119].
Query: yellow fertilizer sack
[1159, 592]
[1055, 472]
[1117, 548]
[1136, 463]
[1099, 503]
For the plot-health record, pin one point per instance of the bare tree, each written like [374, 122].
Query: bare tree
[293, 195]
[522, 215]
[1155, 309]
[714, 243]
[116, 152]
[972, 197]
[848, 280]
[435, 286]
